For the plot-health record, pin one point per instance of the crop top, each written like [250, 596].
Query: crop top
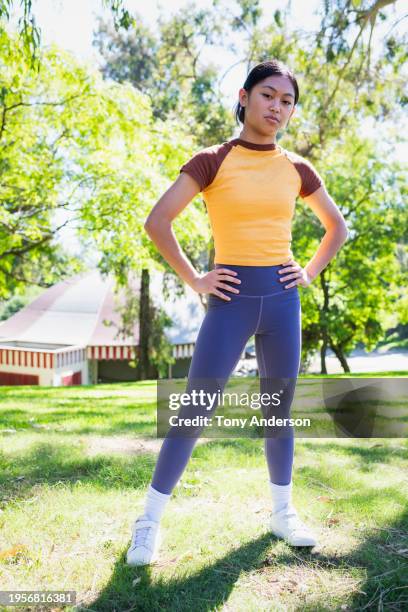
[250, 191]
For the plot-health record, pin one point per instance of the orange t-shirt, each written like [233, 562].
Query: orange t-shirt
[250, 192]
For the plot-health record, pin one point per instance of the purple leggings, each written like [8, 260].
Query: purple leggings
[264, 308]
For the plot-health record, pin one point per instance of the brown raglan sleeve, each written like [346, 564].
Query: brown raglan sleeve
[201, 167]
[311, 179]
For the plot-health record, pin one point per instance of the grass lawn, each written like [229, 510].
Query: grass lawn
[73, 477]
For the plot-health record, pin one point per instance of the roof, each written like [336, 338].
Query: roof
[75, 312]
[71, 312]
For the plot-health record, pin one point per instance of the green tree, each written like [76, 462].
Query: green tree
[35, 114]
[170, 69]
[355, 293]
[75, 142]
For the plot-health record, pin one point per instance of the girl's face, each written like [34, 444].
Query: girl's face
[273, 97]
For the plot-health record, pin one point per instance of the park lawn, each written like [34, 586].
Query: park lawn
[73, 478]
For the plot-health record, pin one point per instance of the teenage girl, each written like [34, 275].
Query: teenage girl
[250, 185]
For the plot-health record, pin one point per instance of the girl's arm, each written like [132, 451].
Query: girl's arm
[336, 230]
[159, 228]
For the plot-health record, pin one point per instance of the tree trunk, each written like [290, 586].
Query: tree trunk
[323, 319]
[323, 349]
[143, 369]
[211, 255]
[340, 356]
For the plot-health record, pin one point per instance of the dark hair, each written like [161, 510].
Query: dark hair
[260, 72]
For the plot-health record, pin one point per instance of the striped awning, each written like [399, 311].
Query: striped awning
[183, 350]
[33, 358]
[111, 352]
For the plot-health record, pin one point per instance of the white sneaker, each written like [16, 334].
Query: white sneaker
[287, 525]
[146, 539]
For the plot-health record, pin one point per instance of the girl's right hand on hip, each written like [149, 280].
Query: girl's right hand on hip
[212, 281]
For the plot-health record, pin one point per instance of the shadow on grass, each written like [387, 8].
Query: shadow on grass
[378, 555]
[82, 422]
[375, 453]
[50, 464]
[209, 587]
[53, 462]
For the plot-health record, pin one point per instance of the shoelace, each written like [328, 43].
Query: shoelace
[140, 535]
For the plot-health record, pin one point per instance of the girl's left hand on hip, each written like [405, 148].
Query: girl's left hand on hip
[295, 273]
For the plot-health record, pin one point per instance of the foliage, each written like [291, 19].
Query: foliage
[168, 70]
[38, 117]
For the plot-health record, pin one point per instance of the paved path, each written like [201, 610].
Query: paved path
[360, 361]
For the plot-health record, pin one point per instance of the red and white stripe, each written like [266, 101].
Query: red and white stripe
[46, 360]
[57, 359]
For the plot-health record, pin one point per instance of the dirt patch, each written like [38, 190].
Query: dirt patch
[95, 445]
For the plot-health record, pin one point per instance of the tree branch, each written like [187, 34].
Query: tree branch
[369, 15]
[34, 244]
[21, 103]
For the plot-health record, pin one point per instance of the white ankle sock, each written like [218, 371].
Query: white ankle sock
[281, 495]
[155, 503]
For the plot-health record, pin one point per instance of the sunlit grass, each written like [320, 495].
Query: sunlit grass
[74, 474]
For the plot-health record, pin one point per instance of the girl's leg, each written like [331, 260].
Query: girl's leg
[278, 346]
[221, 340]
